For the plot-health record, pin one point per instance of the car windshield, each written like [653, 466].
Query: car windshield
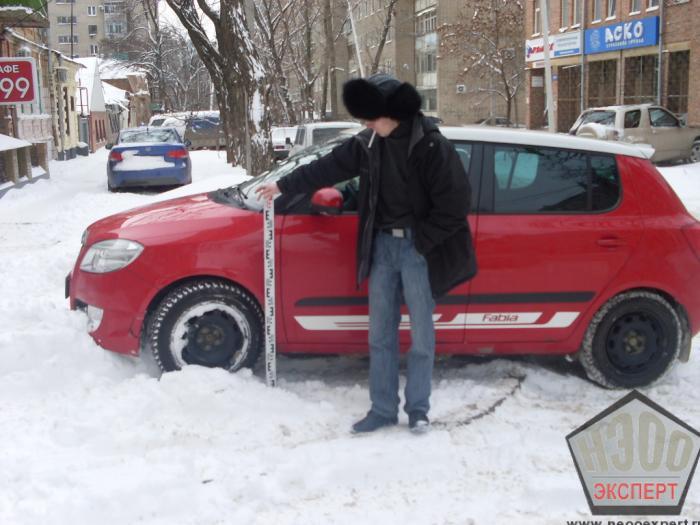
[246, 190]
[321, 135]
[200, 124]
[606, 118]
[149, 135]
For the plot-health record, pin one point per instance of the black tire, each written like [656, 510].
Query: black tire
[632, 341]
[695, 152]
[206, 322]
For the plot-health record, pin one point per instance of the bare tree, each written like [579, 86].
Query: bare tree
[237, 74]
[269, 16]
[387, 14]
[488, 39]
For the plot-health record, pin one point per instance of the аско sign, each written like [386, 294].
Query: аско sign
[625, 35]
[635, 457]
[18, 81]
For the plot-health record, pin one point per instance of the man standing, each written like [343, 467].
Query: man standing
[413, 240]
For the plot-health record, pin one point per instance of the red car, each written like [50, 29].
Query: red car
[582, 246]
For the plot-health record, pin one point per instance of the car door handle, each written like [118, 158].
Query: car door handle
[610, 242]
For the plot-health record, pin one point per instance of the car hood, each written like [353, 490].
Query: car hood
[175, 218]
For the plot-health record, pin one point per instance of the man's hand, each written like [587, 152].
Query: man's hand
[267, 191]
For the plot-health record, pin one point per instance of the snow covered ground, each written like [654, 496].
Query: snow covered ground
[89, 437]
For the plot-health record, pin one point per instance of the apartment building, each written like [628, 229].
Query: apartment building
[81, 27]
[607, 52]
[412, 53]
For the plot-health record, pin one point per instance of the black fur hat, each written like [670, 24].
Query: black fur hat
[380, 95]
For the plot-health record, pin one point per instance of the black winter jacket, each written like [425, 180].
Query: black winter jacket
[439, 192]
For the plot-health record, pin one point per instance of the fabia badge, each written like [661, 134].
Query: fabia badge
[635, 458]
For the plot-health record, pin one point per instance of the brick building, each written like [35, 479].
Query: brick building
[607, 52]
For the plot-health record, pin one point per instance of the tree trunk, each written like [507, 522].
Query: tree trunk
[330, 56]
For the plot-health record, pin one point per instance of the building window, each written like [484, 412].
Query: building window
[577, 12]
[653, 4]
[113, 29]
[537, 19]
[635, 6]
[565, 14]
[112, 8]
[63, 20]
[93, 50]
[597, 9]
[641, 79]
[602, 82]
[65, 39]
[429, 97]
[678, 75]
[92, 10]
[427, 61]
[426, 22]
[92, 30]
[612, 8]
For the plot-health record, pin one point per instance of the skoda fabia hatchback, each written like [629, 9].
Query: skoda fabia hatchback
[583, 249]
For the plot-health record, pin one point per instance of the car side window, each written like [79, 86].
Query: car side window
[660, 118]
[299, 140]
[605, 183]
[632, 118]
[539, 180]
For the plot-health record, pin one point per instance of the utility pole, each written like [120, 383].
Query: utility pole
[547, 66]
[354, 36]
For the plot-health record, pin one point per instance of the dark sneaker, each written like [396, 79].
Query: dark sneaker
[372, 422]
[418, 423]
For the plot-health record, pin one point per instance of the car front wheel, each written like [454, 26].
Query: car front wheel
[632, 341]
[206, 322]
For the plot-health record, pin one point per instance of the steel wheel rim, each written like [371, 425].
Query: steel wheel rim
[212, 334]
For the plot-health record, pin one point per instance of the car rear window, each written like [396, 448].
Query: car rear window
[542, 180]
[322, 135]
[151, 135]
[606, 118]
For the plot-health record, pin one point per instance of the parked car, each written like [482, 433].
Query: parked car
[282, 139]
[170, 120]
[148, 156]
[203, 130]
[642, 124]
[583, 249]
[314, 133]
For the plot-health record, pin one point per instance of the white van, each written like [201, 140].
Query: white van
[318, 133]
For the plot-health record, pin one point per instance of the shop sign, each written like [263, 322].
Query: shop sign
[18, 81]
[561, 45]
[624, 35]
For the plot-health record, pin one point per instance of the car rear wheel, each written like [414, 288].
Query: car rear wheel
[695, 152]
[206, 322]
[632, 341]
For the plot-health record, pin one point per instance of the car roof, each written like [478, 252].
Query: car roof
[149, 128]
[542, 138]
[623, 108]
[335, 124]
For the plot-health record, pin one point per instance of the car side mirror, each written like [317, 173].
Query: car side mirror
[327, 201]
[109, 145]
[288, 141]
[187, 143]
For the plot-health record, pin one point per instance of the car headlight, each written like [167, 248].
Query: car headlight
[110, 255]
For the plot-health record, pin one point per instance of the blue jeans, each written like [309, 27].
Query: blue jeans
[397, 267]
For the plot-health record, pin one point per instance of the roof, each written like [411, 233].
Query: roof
[7, 143]
[618, 108]
[542, 138]
[111, 69]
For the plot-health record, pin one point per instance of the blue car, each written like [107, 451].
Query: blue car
[148, 156]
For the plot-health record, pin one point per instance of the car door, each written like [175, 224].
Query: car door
[666, 134]
[554, 228]
[321, 303]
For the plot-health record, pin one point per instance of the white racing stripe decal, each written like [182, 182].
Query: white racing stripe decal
[474, 321]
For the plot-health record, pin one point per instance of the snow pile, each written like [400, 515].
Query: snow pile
[92, 437]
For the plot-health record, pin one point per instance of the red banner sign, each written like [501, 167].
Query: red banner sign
[18, 82]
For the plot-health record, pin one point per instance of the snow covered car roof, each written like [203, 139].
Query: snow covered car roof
[334, 124]
[543, 138]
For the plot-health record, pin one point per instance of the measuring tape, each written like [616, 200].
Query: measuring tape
[269, 254]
